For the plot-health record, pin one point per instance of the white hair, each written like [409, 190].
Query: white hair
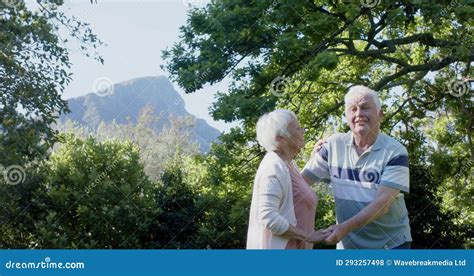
[360, 90]
[273, 124]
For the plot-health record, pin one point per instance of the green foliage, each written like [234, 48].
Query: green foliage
[178, 201]
[156, 148]
[90, 195]
[225, 191]
[34, 66]
[152, 190]
[430, 226]
[411, 52]
[17, 211]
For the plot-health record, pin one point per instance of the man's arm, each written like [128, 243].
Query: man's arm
[377, 208]
[317, 168]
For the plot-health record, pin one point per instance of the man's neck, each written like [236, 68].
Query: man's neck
[363, 142]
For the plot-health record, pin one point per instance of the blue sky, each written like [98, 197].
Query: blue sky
[135, 33]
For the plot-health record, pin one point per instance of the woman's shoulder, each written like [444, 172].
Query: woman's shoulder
[272, 164]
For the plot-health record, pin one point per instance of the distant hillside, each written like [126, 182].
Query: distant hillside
[129, 98]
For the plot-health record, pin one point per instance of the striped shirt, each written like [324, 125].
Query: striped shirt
[355, 180]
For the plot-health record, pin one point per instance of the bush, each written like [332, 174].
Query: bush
[88, 195]
[96, 195]
[92, 194]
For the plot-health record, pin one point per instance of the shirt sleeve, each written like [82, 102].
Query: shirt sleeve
[317, 168]
[396, 173]
[270, 195]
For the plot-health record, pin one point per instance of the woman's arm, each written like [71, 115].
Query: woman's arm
[320, 235]
[295, 233]
[270, 195]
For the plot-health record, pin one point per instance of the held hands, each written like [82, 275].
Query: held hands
[331, 235]
[338, 232]
[320, 235]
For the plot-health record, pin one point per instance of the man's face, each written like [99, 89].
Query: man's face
[362, 115]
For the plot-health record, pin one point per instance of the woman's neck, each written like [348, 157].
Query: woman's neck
[285, 155]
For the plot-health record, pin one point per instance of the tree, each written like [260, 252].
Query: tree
[430, 226]
[182, 214]
[304, 56]
[34, 67]
[384, 47]
[157, 148]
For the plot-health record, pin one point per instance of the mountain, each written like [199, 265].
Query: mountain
[127, 99]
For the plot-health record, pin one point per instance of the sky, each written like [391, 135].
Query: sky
[135, 33]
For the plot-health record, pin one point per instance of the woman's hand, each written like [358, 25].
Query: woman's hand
[295, 233]
[318, 146]
[320, 235]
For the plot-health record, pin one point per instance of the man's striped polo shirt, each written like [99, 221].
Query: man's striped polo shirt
[355, 180]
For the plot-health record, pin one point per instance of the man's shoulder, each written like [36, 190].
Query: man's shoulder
[393, 144]
[339, 138]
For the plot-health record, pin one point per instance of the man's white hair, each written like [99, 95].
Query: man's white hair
[273, 124]
[360, 90]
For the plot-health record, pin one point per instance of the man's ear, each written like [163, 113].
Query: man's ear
[381, 114]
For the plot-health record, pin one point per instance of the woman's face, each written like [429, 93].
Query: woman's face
[296, 141]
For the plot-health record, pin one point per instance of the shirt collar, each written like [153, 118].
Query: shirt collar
[377, 145]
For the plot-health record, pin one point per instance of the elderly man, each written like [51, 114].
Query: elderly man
[367, 170]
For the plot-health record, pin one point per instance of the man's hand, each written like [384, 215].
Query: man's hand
[338, 233]
[319, 235]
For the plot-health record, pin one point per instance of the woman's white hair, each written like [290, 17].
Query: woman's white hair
[273, 124]
[360, 90]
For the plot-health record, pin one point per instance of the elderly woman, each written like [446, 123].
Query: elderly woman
[283, 205]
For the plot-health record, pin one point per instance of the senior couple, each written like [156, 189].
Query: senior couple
[367, 170]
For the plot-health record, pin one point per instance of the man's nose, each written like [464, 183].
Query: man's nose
[357, 112]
